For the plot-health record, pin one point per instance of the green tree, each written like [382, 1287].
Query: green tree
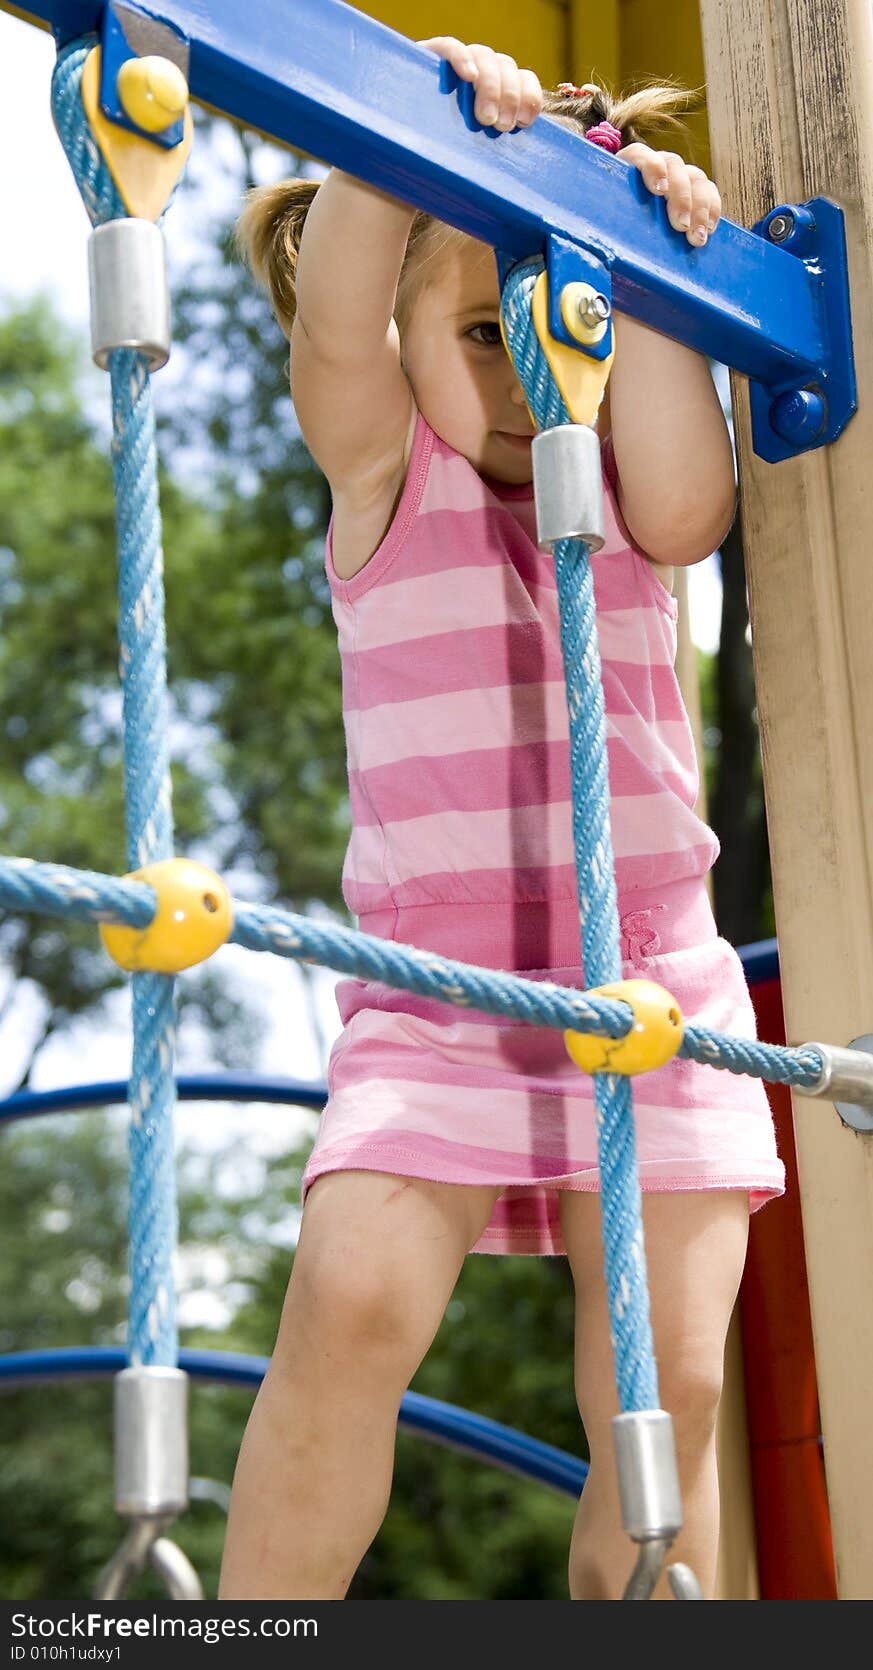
[61, 794]
[455, 1529]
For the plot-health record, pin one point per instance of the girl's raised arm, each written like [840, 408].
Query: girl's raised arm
[351, 396]
[353, 401]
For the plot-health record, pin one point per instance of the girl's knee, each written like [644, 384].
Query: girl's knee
[345, 1308]
[691, 1392]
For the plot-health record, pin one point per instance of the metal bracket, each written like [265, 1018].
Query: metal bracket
[791, 417]
[568, 263]
[854, 1114]
[130, 34]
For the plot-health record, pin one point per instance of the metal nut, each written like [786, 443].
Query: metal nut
[593, 310]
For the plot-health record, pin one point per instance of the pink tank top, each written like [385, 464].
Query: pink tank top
[457, 733]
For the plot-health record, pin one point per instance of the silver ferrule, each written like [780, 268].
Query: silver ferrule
[568, 486]
[151, 1441]
[846, 1080]
[130, 301]
[648, 1479]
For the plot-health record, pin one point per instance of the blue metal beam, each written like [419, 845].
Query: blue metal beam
[324, 78]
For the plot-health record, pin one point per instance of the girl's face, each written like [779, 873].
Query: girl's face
[461, 375]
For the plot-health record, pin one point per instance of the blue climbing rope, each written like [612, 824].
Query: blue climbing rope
[88, 896]
[627, 1288]
[153, 1215]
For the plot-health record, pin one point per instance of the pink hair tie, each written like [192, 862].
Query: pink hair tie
[606, 136]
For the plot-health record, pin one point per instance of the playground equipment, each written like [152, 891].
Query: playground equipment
[772, 303]
[791, 1521]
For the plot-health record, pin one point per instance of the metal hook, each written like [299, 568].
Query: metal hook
[683, 1583]
[144, 1543]
[650, 1564]
[175, 1570]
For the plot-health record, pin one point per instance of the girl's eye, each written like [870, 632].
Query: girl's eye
[487, 335]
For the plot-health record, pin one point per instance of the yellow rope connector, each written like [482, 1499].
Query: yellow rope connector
[581, 379]
[654, 1037]
[145, 174]
[193, 918]
[153, 92]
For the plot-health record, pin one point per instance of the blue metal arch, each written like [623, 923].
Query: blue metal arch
[443, 1423]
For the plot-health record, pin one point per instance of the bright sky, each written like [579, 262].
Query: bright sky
[44, 247]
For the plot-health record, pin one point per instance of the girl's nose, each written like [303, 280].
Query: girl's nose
[517, 392]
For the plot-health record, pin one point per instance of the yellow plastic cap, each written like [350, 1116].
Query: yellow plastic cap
[153, 91]
[654, 1037]
[193, 918]
[581, 379]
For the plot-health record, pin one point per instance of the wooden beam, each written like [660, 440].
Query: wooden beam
[791, 116]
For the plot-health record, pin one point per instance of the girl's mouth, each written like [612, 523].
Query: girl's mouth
[520, 442]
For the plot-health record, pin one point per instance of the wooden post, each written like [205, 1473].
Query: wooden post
[791, 116]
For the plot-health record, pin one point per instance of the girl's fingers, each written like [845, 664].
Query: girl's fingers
[693, 201]
[510, 93]
[496, 103]
[506, 96]
[455, 53]
[703, 198]
[531, 102]
[680, 199]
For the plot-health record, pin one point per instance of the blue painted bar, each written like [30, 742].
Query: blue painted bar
[443, 1423]
[760, 961]
[320, 76]
[190, 1087]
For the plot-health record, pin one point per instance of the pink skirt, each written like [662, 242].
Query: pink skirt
[420, 1088]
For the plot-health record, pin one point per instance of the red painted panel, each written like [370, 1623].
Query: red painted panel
[795, 1552]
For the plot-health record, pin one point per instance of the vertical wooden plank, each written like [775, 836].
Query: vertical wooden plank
[791, 116]
[594, 44]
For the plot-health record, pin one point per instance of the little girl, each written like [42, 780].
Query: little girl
[448, 1131]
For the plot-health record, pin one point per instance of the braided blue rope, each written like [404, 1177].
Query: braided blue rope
[153, 1214]
[87, 896]
[621, 1203]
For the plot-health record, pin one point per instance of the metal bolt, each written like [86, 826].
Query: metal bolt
[593, 310]
[780, 228]
[799, 416]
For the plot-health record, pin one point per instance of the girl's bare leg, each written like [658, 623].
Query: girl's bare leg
[375, 1266]
[695, 1249]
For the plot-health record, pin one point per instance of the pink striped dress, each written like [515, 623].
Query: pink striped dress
[458, 759]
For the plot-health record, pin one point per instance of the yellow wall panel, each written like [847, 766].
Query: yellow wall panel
[616, 41]
[660, 40]
[535, 33]
[595, 41]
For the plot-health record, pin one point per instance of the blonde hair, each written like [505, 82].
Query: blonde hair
[270, 227]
